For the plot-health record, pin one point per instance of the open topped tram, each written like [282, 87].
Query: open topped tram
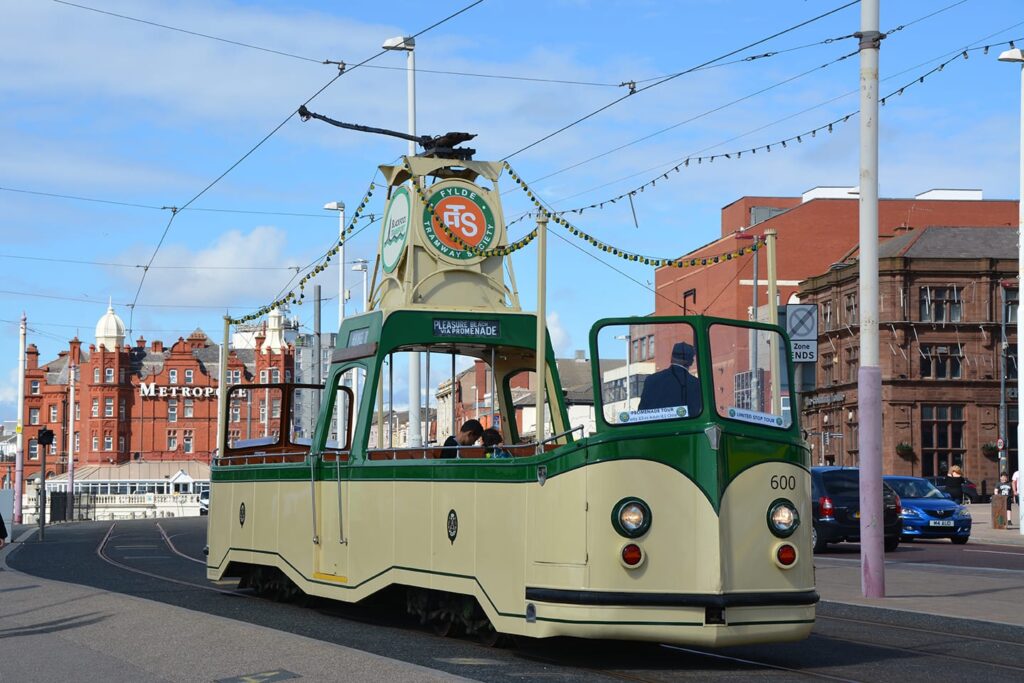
[683, 518]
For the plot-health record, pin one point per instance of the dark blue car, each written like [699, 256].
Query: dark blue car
[928, 512]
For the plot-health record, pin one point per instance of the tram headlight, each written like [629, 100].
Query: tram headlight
[631, 517]
[783, 518]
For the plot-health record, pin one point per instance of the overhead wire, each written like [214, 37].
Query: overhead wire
[677, 75]
[342, 70]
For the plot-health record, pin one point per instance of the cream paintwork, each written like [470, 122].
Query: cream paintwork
[514, 536]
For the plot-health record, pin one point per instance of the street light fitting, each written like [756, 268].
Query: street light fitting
[335, 206]
[406, 43]
[359, 265]
[1015, 55]
[744, 236]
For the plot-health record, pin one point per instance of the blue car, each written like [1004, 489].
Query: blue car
[928, 512]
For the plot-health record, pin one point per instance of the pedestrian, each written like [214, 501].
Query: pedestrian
[3, 532]
[955, 484]
[1003, 488]
[674, 386]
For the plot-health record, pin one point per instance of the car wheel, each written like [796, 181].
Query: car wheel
[960, 540]
[891, 543]
[818, 544]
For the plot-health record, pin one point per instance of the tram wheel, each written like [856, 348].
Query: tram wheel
[443, 625]
[488, 637]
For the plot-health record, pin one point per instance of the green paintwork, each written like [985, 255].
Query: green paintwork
[680, 444]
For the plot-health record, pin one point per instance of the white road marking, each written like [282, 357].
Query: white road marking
[994, 552]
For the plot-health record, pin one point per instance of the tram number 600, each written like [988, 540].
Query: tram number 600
[782, 482]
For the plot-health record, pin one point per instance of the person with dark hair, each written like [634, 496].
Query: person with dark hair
[3, 532]
[492, 444]
[469, 432]
[674, 386]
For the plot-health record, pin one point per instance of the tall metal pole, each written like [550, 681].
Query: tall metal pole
[222, 393]
[19, 456]
[317, 352]
[755, 388]
[70, 507]
[542, 248]
[415, 393]
[773, 318]
[869, 375]
[1003, 464]
[340, 412]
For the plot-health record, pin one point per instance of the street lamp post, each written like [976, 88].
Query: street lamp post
[341, 427]
[360, 266]
[1016, 55]
[407, 44]
[755, 395]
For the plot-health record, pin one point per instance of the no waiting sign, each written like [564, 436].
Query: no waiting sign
[802, 322]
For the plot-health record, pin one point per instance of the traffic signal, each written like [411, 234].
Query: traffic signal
[45, 437]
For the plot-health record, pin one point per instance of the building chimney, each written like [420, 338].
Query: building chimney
[158, 346]
[32, 357]
[581, 356]
[76, 351]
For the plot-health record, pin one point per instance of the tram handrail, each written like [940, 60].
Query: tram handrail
[540, 444]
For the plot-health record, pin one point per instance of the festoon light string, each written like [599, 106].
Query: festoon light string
[291, 296]
[783, 143]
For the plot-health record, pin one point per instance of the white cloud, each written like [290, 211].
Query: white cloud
[560, 337]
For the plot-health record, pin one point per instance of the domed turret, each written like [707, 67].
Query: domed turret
[110, 330]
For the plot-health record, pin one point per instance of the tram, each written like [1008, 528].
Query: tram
[683, 517]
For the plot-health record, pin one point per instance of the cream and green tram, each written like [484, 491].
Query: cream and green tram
[678, 512]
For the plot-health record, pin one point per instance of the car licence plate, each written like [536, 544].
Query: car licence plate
[941, 522]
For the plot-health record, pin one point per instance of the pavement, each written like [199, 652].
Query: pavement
[981, 593]
[88, 628]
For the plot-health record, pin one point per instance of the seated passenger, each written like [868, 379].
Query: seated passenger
[493, 444]
[467, 436]
[674, 386]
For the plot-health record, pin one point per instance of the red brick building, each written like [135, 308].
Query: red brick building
[143, 402]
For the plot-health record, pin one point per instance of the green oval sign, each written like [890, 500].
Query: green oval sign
[394, 233]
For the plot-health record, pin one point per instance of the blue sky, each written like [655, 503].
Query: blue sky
[101, 107]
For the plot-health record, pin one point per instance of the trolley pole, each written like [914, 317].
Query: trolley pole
[70, 507]
[19, 455]
[869, 375]
[773, 318]
[222, 391]
[542, 247]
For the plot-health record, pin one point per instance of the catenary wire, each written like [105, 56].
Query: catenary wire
[677, 75]
[341, 72]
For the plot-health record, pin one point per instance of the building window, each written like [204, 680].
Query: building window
[189, 375]
[942, 438]
[95, 375]
[650, 347]
[172, 410]
[850, 312]
[189, 407]
[827, 319]
[236, 411]
[95, 443]
[187, 441]
[120, 444]
[852, 363]
[172, 440]
[234, 376]
[108, 441]
[108, 407]
[263, 411]
[172, 376]
[263, 376]
[288, 374]
[275, 375]
[1012, 295]
[78, 410]
[1011, 362]
[53, 413]
[78, 441]
[34, 387]
[53, 448]
[940, 305]
[121, 375]
[828, 366]
[33, 416]
[33, 449]
[95, 407]
[275, 408]
[121, 410]
[636, 349]
[108, 375]
[940, 362]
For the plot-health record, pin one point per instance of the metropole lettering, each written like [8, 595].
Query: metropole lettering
[151, 390]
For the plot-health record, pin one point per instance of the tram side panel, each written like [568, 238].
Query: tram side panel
[501, 549]
[454, 521]
[372, 531]
[556, 544]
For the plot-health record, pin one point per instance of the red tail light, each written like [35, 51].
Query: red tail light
[899, 505]
[825, 507]
[786, 555]
[631, 554]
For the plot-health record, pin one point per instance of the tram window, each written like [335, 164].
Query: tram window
[656, 380]
[341, 409]
[521, 388]
[751, 373]
[255, 426]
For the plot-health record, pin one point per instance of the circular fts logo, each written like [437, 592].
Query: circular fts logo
[465, 213]
[395, 230]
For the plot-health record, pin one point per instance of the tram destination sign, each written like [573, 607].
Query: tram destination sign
[447, 327]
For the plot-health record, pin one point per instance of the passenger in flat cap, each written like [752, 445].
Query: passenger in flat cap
[674, 386]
